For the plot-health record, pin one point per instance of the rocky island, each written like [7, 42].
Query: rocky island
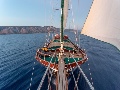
[26, 29]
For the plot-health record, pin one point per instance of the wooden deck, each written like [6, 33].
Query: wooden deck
[44, 55]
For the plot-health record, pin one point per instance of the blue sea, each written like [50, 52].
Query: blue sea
[20, 71]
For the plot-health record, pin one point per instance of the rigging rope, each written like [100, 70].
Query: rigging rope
[31, 76]
[74, 79]
[73, 76]
[90, 85]
[51, 21]
[51, 75]
[40, 85]
[73, 21]
[49, 78]
[78, 76]
[90, 74]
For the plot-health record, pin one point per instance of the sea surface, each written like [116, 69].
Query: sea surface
[20, 71]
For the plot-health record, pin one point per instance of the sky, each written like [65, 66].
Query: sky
[41, 12]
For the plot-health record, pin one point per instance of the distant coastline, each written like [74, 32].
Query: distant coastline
[27, 29]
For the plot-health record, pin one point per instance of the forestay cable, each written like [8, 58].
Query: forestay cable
[90, 85]
[40, 85]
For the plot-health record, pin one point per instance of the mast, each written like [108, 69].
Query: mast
[62, 19]
[61, 75]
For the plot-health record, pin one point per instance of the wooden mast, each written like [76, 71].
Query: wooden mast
[62, 19]
[61, 75]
